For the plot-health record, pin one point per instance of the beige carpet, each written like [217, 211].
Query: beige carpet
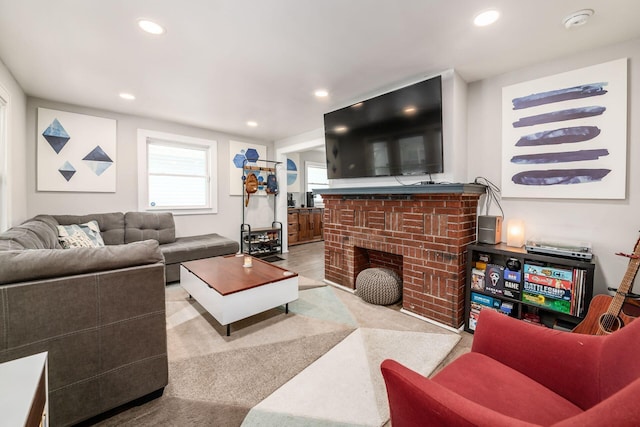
[293, 369]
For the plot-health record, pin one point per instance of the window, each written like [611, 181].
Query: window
[175, 173]
[4, 160]
[316, 178]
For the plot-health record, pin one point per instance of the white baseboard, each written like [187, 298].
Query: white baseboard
[442, 325]
[336, 285]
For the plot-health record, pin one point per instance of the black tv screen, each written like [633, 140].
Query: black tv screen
[397, 133]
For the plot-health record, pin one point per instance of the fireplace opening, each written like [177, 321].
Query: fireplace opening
[371, 258]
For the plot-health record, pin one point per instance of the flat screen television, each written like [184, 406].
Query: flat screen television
[397, 133]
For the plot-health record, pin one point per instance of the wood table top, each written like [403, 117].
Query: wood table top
[227, 275]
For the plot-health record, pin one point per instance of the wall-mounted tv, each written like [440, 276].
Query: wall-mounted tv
[397, 133]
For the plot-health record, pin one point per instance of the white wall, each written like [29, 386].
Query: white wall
[16, 184]
[610, 225]
[226, 222]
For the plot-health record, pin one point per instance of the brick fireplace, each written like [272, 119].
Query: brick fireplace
[421, 232]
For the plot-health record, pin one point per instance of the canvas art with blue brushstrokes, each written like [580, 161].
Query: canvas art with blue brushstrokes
[565, 136]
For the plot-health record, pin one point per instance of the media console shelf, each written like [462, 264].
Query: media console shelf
[547, 290]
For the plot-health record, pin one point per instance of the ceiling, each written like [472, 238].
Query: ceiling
[224, 62]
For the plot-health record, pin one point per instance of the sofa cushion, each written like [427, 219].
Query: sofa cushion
[149, 225]
[46, 230]
[111, 225]
[80, 233]
[198, 247]
[32, 234]
[46, 263]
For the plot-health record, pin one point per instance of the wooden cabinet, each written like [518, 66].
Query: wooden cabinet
[316, 223]
[304, 225]
[292, 227]
[548, 290]
[304, 232]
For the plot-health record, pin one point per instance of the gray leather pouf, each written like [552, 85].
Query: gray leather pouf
[380, 286]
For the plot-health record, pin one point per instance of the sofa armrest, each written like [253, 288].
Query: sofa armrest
[418, 401]
[564, 362]
[34, 264]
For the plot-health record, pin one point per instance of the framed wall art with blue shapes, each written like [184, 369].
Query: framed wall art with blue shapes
[75, 152]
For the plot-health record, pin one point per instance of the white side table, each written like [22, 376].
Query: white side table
[23, 391]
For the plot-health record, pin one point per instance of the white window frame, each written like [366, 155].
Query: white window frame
[317, 198]
[144, 138]
[5, 214]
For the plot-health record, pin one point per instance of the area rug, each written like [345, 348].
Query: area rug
[319, 365]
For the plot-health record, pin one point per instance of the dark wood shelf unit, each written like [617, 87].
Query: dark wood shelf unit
[524, 309]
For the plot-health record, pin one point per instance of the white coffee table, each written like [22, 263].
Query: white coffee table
[231, 292]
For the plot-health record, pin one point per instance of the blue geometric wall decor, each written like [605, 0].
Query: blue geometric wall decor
[252, 154]
[238, 160]
[292, 172]
[66, 143]
[67, 170]
[56, 136]
[240, 154]
[98, 160]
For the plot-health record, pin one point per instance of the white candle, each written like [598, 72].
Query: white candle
[515, 233]
[247, 261]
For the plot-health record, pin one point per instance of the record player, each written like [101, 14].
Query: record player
[580, 251]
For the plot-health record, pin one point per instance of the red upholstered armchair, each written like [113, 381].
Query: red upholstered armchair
[519, 374]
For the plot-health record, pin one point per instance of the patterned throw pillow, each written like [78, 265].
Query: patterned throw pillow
[76, 240]
[90, 229]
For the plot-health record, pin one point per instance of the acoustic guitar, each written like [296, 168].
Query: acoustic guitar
[607, 314]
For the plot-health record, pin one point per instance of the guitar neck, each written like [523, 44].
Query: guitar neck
[626, 285]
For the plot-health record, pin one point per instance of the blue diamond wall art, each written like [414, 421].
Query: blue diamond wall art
[75, 152]
[67, 170]
[56, 136]
[98, 160]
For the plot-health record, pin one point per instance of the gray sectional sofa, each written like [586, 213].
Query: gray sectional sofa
[98, 312]
[131, 227]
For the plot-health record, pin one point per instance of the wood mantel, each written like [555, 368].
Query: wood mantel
[426, 228]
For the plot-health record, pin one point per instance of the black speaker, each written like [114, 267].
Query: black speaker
[489, 229]
[309, 199]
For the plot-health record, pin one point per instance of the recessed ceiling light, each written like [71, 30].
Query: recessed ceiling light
[252, 124]
[150, 27]
[578, 18]
[321, 93]
[487, 17]
[127, 96]
[409, 110]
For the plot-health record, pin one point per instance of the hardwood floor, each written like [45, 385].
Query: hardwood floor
[308, 260]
